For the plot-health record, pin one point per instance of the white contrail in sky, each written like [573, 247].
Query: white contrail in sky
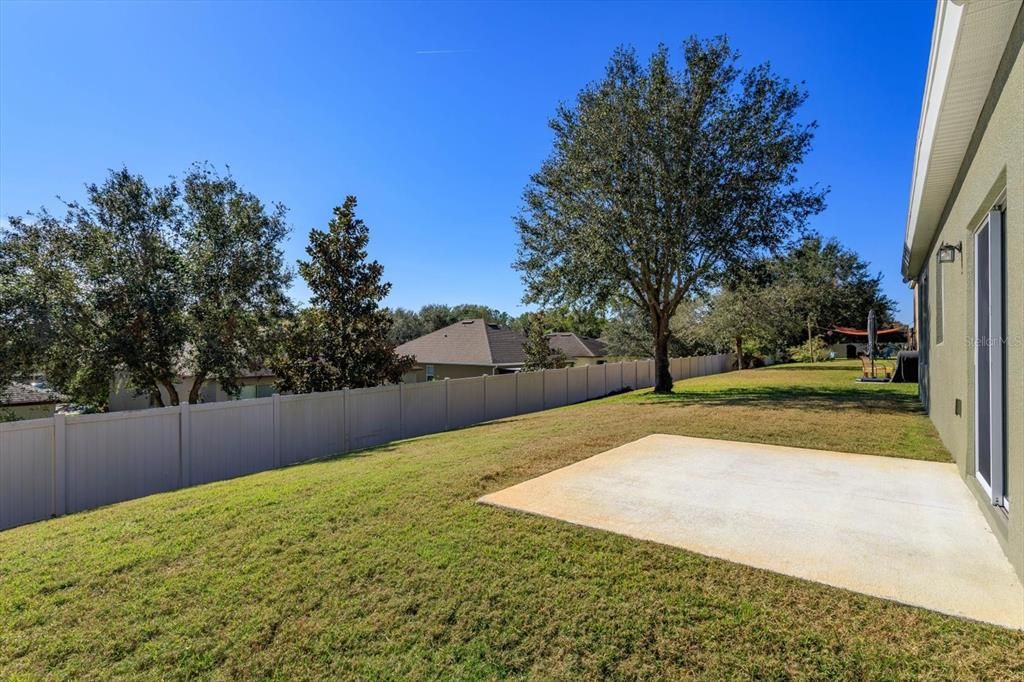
[441, 51]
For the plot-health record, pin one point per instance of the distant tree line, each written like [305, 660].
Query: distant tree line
[773, 307]
[148, 283]
[411, 324]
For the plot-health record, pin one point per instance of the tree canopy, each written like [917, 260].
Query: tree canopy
[795, 297]
[106, 289]
[343, 339]
[234, 276]
[410, 324]
[144, 283]
[660, 180]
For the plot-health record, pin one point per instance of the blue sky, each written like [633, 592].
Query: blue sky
[434, 115]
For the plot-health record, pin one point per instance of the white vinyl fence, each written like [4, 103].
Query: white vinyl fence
[60, 465]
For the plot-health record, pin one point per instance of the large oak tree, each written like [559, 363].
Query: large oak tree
[660, 180]
[141, 283]
[234, 278]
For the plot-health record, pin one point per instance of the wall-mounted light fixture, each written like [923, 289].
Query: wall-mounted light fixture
[947, 252]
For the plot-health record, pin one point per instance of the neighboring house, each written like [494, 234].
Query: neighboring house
[580, 349]
[256, 384]
[465, 349]
[29, 401]
[964, 253]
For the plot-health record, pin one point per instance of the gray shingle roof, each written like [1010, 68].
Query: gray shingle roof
[469, 342]
[577, 346]
[17, 393]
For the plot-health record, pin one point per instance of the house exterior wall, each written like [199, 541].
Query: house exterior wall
[126, 399]
[997, 166]
[582, 361]
[442, 371]
[30, 411]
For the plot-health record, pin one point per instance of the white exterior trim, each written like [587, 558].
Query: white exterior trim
[944, 35]
[968, 42]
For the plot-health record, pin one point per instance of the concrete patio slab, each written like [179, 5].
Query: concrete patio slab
[893, 528]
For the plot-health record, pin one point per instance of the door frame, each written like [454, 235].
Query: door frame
[996, 397]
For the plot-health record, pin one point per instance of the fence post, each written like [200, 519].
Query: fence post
[605, 365]
[277, 429]
[345, 399]
[447, 407]
[516, 375]
[60, 465]
[544, 388]
[401, 410]
[485, 397]
[185, 445]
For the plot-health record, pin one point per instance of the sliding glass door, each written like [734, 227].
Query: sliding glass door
[989, 348]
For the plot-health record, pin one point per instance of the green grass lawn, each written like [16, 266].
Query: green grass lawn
[380, 564]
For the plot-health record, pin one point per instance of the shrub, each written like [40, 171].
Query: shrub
[812, 350]
[8, 416]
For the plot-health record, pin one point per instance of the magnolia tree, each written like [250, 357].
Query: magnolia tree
[660, 180]
[343, 339]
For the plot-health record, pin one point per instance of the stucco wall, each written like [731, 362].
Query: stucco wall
[581, 361]
[29, 411]
[447, 372]
[997, 166]
[125, 399]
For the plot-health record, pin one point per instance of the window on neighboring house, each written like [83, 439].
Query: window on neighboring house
[430, 372]
[250, 391]
[939, 295]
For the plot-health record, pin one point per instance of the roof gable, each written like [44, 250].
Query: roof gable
[577, 346]
[17, 393]
[469, 342]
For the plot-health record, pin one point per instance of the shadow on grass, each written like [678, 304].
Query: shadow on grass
[840, 366]
[792, 397]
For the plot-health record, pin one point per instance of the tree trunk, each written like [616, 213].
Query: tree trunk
[155, 399]
[662, 373]
[197, 386]
[739, 352]
[172, 392]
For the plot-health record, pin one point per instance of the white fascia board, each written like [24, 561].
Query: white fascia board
[948, 17]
